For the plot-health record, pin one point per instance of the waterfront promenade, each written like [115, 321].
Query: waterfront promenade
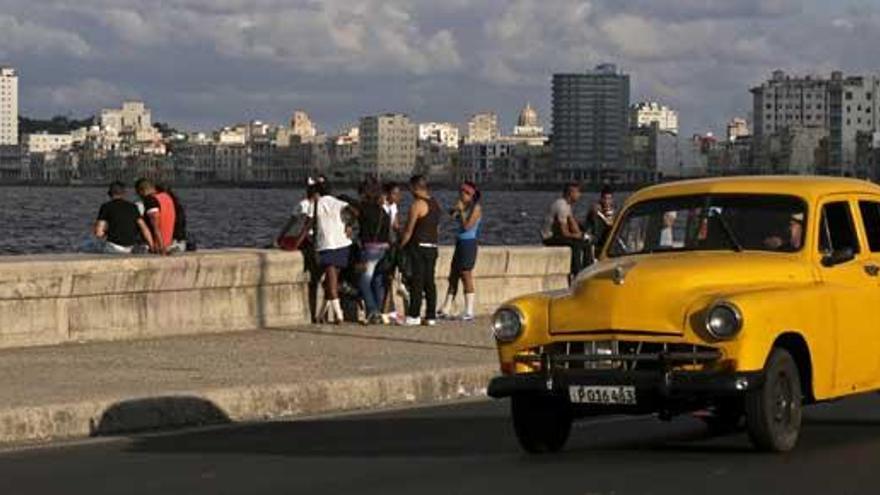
[101, 345]
[105, 388]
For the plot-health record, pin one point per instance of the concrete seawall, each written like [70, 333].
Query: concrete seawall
[48, 300]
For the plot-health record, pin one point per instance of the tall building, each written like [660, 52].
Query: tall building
[853, 107]
[785, 106]
[8, 107]
[785, 101]
[834, 112]
[590, 124]
[441, 133]
[646, 113]
[388, 145]
[482, 128]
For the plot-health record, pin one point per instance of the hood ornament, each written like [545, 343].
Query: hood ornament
[618, 275]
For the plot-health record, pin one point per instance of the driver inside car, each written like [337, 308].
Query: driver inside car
[792, 240]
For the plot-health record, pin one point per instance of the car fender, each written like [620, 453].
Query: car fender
[771, 313]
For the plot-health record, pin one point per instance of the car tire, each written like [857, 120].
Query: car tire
[542, 424]
[774, 410]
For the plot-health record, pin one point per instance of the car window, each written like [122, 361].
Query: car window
[871, 218]
[763, 222]
[838, 231]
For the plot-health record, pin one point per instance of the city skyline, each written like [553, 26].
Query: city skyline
[202, 65]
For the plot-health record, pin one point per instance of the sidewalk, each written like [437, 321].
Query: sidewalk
[77, 390]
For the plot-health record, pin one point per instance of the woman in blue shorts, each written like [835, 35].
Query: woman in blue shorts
[469, 215]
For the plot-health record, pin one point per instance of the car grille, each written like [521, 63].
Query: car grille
[621, 355]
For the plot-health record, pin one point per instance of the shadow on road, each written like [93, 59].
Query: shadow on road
[158, 412]
[409, 437]
[484, 430]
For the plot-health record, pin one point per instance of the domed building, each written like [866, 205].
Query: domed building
[528, 117]
[528, 127]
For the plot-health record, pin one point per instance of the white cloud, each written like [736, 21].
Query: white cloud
[21, 36]
[842, 23]
[689, 10]
[437, 57]
[87, 95]
[370, 36]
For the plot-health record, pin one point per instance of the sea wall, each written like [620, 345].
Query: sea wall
[57, 299]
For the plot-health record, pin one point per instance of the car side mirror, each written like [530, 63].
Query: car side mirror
[837, 257]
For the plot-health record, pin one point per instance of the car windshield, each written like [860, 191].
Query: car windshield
[761, 222]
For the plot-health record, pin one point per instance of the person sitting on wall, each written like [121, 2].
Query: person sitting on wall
[159, 215]
[118, 224]
[181, 241]
[561, 229]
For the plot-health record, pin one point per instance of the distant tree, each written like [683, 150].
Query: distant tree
[58, 124]
[165, 129]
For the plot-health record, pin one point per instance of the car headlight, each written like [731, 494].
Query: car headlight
[723, 320]
[507, 324]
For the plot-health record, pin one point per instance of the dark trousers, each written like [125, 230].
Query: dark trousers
[422, 283]
[313, 268]
[580, 251]
[464, 258]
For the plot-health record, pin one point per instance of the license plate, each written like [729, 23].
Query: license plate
[610, 395]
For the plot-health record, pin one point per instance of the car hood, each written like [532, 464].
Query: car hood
[653, 294]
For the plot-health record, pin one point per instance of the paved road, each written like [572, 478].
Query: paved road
[464, 448]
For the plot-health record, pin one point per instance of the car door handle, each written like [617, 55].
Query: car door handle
[872, 270]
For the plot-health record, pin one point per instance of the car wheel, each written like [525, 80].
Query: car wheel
[773, 411]
[542, 424]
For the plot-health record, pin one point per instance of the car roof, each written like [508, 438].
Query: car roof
[808, 187]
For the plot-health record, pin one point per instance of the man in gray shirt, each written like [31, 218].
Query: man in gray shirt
[561, 229]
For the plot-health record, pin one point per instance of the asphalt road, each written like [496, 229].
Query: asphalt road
[463, 448]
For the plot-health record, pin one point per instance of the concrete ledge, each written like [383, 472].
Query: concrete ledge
[68, 298]
[218, 406]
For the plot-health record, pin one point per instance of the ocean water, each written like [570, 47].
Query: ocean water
[57, 219]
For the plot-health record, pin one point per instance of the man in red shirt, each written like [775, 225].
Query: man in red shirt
[159, 214]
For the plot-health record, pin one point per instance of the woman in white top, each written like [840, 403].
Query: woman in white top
[334, 249]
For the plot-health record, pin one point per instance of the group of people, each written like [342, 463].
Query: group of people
[561, 227]
[156, 224]
[361, 243]
[364, 240]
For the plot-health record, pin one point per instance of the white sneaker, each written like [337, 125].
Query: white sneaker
[411, 322]
[431, 323]
[467, 317]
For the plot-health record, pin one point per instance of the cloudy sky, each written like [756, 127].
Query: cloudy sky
[203, 63]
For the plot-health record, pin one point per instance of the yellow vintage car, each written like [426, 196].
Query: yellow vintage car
[740, 298]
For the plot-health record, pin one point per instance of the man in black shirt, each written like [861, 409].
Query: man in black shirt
[118, 223]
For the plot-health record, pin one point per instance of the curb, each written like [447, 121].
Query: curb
[238, 404]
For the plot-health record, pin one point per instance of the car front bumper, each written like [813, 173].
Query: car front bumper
[654, 389]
